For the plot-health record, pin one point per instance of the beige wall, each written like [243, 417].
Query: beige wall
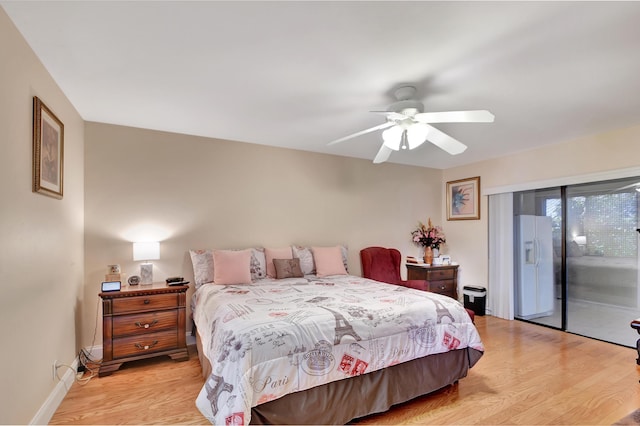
[191, 192]
[590, 158]
[41, 257]
[194, 192]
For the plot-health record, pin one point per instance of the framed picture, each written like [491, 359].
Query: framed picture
[48, 150]
[463, 199]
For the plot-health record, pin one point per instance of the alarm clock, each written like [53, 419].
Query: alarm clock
[134, 280]
[111, 286]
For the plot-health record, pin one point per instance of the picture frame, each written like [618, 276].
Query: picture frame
[48, 151]
[463, 199]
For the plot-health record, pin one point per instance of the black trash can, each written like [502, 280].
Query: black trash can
[475, 298]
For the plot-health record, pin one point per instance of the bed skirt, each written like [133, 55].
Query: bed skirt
[344, 400]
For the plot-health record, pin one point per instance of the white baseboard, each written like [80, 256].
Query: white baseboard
[191, 339]
[48, 409]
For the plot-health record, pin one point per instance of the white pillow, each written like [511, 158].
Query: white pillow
[258, 264]
[306, 259]
[202, 262]
[345, 257]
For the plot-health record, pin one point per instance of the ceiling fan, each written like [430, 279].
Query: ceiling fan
[408, 127]
[635, 186]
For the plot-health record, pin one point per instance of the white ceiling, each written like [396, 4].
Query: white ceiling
[300, 74]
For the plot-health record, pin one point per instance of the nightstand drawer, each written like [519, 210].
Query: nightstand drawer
[144, 303]
[440, 274]
[146, 343]
[443, 287]
[439, 279]
[150, 322]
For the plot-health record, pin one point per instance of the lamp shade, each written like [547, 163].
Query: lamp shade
[392, 137]
[417, 134]
[146, 251]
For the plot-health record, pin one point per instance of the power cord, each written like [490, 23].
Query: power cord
[93, 341]
[78, 378]
[86, 362]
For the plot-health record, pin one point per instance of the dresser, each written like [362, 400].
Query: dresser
[143, 321]
[439, 279]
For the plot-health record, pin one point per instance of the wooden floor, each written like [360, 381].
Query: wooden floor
[528, 375]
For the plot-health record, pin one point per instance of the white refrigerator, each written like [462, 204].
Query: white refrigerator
[534, 267]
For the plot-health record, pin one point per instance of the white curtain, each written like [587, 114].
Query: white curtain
[500, 298]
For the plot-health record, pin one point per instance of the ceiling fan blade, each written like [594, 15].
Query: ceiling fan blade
[444, 141]
[477, 116]
[633, 185]
[363, 132]
[382, 155]
[392, 115]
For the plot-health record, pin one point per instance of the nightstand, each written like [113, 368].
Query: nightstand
[439, 279]
[143, 321]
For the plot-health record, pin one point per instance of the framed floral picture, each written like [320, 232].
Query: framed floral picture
[48, 150]
[463, 199]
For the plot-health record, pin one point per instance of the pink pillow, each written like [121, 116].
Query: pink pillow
[328, 261]
[232, 266]
[276, 253]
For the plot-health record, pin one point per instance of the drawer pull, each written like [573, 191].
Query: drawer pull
[147, 301]
[140, 325]
[146, 347]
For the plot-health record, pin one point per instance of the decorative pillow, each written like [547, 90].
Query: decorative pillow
[258, 264]
[345, 256]
[232, 266]
[276, 253]
[306, 259]
[202, 261]
[329, 261]
[287, 268]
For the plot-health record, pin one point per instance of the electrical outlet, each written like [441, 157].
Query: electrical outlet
[55, 369]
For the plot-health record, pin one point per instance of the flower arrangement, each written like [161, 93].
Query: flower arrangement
[428, 236]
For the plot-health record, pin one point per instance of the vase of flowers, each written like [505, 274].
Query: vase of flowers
[430, 237]
[428, 255]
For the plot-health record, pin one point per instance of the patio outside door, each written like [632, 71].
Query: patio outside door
[537, 256]
[602, 260]
[595, 257]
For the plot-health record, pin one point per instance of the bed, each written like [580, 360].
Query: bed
[601, 279]
[324, 349]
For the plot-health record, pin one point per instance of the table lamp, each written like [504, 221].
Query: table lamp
[146, 251]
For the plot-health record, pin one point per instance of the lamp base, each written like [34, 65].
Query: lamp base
[146, 273]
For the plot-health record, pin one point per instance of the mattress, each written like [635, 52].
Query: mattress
[277, 341]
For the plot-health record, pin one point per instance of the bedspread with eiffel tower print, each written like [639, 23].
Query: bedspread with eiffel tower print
[275, 337]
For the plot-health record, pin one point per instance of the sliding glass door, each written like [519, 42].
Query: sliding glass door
[602, 260]
[594, 257]
[537, 256]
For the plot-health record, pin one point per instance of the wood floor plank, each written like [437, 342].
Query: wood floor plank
[528, 375]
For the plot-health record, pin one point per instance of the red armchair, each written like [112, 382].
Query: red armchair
[383, 264]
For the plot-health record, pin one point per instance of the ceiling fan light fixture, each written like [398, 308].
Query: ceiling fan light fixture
[417, 134]
[392, 137]
[407, 126]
